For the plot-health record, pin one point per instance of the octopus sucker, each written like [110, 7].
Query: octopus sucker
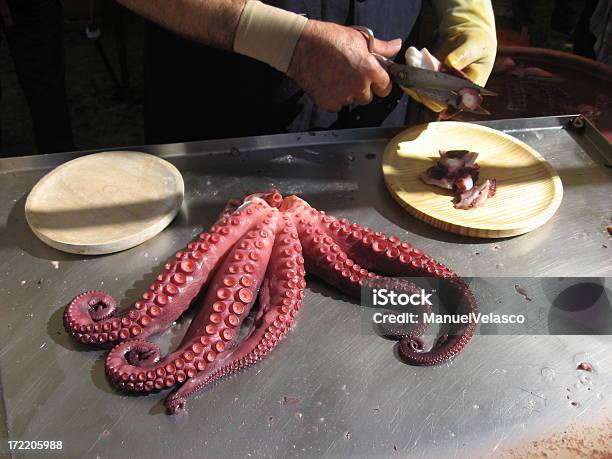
[250, 267]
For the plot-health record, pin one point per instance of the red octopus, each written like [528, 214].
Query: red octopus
[253, 261]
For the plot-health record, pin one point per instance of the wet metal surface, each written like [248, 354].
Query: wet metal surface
[329, 389]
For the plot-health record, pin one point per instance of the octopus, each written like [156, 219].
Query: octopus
[458, 171]
[246, 280]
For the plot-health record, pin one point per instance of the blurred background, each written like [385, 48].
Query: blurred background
[105, 84]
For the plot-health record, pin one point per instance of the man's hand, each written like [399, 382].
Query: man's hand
[333, 65]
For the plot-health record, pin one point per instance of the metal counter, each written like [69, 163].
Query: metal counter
[328, 389]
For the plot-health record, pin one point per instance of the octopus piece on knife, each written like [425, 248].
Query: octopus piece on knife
[468, 98]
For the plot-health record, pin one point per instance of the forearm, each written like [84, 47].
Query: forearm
[211, 22]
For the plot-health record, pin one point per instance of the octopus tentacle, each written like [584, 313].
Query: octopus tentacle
[412, 350]
[365, 246]
[90, 317]
[228, 300]
[280, 299]
[327, 260]
[374, 250]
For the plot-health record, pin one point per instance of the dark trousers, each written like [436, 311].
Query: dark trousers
[193, 92]
[35, 40]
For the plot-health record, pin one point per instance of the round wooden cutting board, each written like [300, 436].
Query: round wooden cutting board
[529, 191]
[105, 202]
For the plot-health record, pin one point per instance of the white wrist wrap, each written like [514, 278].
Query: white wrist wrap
[268, 34]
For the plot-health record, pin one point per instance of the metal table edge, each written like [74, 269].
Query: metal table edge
[592, 136]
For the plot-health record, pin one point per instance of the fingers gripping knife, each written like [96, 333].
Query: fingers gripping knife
[447, 86]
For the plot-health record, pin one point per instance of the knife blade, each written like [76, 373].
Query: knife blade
[417, 78]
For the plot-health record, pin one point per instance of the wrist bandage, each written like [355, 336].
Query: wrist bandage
[268, 34]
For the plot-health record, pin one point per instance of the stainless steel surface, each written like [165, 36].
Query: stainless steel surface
[353, 398]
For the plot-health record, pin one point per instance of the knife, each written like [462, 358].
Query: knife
[439, 86]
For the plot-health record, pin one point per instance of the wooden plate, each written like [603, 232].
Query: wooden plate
[104, 202]
[529, 191]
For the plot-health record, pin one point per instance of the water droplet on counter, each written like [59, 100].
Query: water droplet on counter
[476, 407]
[548, 373]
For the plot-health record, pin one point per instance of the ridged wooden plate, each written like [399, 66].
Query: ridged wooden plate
[105, 202]
[529, 190]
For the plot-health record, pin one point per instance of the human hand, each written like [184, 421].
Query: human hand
[468, 37]
[468, 42]
[333, 65]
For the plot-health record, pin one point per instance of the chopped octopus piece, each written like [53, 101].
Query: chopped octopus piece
[454, 160]
[435, 176]
[457, 170]
[465, 182]
[476, 196]
[470, 98]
